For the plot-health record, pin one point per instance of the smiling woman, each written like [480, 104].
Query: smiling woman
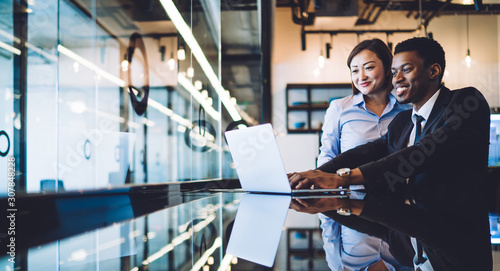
[368, 73]
[369, 77]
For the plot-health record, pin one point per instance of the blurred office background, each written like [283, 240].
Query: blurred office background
[98, 95]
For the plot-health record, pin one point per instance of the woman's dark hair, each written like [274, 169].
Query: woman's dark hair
[383, 53]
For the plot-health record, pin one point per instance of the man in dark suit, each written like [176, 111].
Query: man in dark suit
[432, 157]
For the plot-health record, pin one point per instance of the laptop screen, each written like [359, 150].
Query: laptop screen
[257, 159]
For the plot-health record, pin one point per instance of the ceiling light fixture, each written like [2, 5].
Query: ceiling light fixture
[204, 93]
[198, 84]
[321, 58]
[124, 65]
[181, 53]
[190, 72]
[171, 62]
[468, 60]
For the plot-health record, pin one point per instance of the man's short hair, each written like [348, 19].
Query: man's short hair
[427, 49]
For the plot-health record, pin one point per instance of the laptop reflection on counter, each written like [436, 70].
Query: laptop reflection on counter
[259, 165]
[257, 228]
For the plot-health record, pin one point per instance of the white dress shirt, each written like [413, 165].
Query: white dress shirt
[425, 112]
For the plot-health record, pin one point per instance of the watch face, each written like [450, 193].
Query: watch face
[343, 171]
[343, 211]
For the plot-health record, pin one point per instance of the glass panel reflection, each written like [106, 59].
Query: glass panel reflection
[77, 103]
[190, 236]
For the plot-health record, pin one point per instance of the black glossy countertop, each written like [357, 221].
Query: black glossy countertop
[42, 218]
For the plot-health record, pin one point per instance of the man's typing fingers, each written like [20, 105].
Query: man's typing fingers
[294, 179]
[304, 203]
[305, 183]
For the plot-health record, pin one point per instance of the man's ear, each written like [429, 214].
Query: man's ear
[435, 71]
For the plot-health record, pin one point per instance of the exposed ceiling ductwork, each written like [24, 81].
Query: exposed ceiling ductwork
[368, 11]
[304, 13]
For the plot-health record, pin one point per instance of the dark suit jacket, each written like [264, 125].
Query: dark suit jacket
[446, 167]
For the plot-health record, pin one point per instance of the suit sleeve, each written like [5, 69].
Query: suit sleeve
[358, 156]
[459, 142]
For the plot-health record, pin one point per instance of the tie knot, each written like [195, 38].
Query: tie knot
[418, 130]
[419, 119]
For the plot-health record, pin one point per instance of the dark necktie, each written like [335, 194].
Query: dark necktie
[418, 135]
[418, 130]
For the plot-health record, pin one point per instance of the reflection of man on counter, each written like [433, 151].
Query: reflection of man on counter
[449, 242]
[432, 157]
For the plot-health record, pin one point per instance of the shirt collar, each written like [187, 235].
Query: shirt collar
[358, 100]
[425, 110]
[392, 101]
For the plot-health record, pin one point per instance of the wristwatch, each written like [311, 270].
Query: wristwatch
[345, 173]
[345, 209]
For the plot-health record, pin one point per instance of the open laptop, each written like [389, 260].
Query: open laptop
[259, 165]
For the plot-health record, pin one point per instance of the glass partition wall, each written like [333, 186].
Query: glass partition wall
[100, 94]
[105, 93]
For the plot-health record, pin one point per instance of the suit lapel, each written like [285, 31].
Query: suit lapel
[438, 108]
[405, 135]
